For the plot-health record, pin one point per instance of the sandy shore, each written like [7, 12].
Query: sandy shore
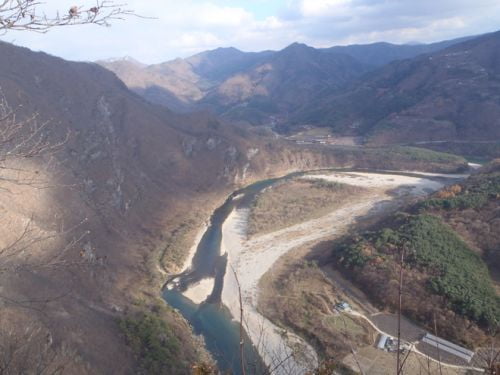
[264, 334]
[420, 185]
[200, 291]
[251, 259]
[192, 250]
[445, 175]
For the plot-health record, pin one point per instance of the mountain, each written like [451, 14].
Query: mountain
[450, 95]
[219, 64]
[180, 83]
[122, 172]
[106, 193]
[173, 85]
[258, 88]
[105, 187]
[378, 54]
[280, 83]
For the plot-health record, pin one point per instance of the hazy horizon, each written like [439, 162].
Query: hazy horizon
[181, 30]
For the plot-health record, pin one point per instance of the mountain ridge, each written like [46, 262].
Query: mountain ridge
[210, 79]
[443, 96]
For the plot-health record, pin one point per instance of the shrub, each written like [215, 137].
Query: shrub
[152, 341]
[457, 272]
[474, 194]
[352, 255]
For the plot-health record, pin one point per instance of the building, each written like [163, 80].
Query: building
[343, 306]
[382, 341]
[390, 344]
[448, 347]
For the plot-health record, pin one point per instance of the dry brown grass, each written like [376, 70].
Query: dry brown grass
[178, 240]
[295, 201]
[296, 295]
[378, 362]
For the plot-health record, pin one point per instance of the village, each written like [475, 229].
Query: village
[413, 339]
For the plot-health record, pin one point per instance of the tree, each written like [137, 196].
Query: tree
[23, 136]
[26, 347]
[29, 15]
[29, 349]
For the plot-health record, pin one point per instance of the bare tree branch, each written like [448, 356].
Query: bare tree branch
[399, 367]
[29, 15]
[30, 350]
[242, 342]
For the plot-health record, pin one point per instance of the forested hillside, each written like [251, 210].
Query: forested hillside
[450, 247]
[449, 95]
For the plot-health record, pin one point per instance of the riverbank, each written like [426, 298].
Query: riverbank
[194, 247]
[225, 240]
[244, 272]
[250, 259]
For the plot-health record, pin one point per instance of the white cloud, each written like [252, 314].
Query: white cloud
[210, 15]
[322, 8]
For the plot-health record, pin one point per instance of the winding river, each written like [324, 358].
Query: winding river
[210, 315]
[210, 318]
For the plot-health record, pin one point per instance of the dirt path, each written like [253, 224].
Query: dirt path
[349, 289]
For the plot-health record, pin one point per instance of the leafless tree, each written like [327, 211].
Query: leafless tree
[29, 15]
[399, 367]
[30, 349]
[25, 138]
[488, 357]
[242, 342]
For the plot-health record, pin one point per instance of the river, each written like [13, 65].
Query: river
[211, 318]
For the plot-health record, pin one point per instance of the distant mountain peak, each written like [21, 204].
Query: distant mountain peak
[297, 45]
[420, 98]
[128, 59]
[255, 85]
[297, 49]
[227, 49]
[222, 52]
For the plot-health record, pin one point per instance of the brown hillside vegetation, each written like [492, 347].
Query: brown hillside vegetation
[258, 87]
[129, 186]
[449, 95]
[299, 297]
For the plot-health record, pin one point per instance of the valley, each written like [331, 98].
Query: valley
[287, 211]
[249, 258]
[256, 87]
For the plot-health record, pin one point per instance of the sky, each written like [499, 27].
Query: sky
[182, 28]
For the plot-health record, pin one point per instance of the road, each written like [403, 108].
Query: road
[413, 345]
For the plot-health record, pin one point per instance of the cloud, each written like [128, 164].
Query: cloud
[326, 8]
[326, 22]
[190, 26]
